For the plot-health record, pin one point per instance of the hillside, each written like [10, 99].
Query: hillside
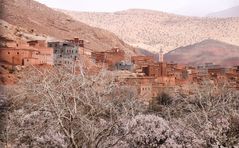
[207, 51]
[231, 12]
[153, 29]
[28, 19]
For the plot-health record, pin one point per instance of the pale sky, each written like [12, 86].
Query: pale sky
[183, 7]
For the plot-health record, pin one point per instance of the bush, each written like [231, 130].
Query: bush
[58, 108]
[153, 131]
[163, 99]
[161, 104]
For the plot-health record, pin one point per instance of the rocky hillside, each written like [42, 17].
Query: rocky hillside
[152, 29]
[207, 51]
[231, 12]
[28, 18]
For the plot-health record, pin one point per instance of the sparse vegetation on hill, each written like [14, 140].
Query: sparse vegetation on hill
[207, 51]
[37, 19]
[152, 30]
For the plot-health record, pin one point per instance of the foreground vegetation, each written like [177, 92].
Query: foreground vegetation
[58, 108]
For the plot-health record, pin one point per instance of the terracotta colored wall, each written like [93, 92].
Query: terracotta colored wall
[145, 91]
[45, 56]
[142, 61]
[156, 70]
[30, 61]
[20, 53]
[109, 57]
[14, 56]
[166, 81]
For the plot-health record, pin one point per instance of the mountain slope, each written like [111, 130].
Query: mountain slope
[207, 51]
[38, 19]
[153, 29]
[231, 12]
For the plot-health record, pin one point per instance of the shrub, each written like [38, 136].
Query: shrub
[153, 131]
[58, 108]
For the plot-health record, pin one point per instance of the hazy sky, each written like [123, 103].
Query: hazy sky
[184, 7]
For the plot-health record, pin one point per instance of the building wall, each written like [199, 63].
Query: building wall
[98, 57]
[64, 52]
[155, 70]
[110, 57]
[142, 61]
[30, 53]
[216, 71]
[166, 81]
[30, 61]
[145, 91]
[45, 56]
[15, 56]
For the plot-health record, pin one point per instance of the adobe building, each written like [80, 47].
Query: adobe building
[215, 72]
[202, 71]
[235, 69]
[109, 57]
[22, 53]
[171, 68]
[192, 74]
[18, 56]
[45, 54]
[166, 81]
[233, 77]
[149, 87]
[155, 70]
[183, 75]
[143, 85]
[162, 72]
[211, 71]
[142, 61]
